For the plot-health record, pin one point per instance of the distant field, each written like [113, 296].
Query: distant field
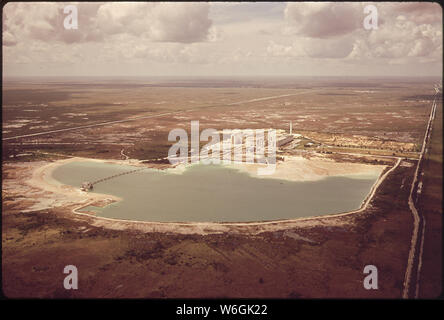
[386, 111]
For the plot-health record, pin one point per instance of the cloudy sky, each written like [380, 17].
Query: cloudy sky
[210, 39]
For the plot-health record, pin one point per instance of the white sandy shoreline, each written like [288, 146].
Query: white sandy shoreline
[41, 178]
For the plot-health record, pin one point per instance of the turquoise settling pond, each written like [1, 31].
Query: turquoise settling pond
[211, 193]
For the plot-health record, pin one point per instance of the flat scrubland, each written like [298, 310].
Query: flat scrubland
[385, 116]
[325, 259]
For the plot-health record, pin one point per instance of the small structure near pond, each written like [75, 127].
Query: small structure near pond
[86, 186]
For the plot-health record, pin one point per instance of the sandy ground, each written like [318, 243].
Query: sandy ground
[298, 168]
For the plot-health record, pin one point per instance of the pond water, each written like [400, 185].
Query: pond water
[214, 193]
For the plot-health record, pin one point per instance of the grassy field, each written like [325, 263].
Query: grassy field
[430, 204]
